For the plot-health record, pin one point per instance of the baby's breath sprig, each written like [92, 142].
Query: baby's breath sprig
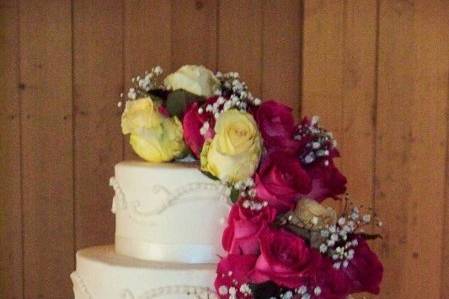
[338, 241]
[232, 93]
[319, 142]
[142, 85]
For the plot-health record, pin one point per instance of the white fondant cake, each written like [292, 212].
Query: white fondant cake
[168, 212]
[103, 274]
[169, 222]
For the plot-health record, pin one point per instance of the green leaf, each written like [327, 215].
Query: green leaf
[178, 100]
[235, 194]
[209, 175]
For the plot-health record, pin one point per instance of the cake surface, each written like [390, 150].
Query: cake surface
[101, 273]
[168, 212]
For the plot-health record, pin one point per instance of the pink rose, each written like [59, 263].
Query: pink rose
[241, 236]
[277, 126]
[193, 122]
[280, 179]
[285, 259]
[232, 272]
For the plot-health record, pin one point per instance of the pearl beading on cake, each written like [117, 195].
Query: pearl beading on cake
[168, 198]
[194, 292]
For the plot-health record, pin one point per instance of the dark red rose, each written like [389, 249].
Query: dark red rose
[280, 179]
[193, 122]
[364, 271]
[241, 236]
[232, 272]
[327, 181]
[316, 151]
[362, 274]
[285, 259]
[277, 126]
[332, 284]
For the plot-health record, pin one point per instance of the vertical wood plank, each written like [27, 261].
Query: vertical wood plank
[240, 41]
[98, 82]
[47, 151]
[281, 67]
[357, 141]
[194, 33]
[11, 262]
[339, 83]
[147, 42]
[411, 144]
[323, 62]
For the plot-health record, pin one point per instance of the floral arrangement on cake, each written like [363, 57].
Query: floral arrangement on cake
[281, 239]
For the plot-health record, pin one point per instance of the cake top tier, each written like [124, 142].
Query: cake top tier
[168, 212]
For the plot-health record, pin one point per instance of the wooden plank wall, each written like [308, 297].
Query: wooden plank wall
[377, 72]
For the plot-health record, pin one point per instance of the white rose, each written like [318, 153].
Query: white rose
[194, 79]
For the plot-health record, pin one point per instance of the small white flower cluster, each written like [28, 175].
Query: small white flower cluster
[233, 88]
[232, 94]
[142, 85]
[254, 205]
[246, 188]
[302, 291]
[337, 243]
[232, 291]
[320, 144]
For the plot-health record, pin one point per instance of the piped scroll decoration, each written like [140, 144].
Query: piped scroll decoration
[119, 201]
[166, 199]
[78, 283]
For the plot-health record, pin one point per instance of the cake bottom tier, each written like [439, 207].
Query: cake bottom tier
[103, 274]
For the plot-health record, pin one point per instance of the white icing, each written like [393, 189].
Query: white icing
[168, 212]
[103, 274]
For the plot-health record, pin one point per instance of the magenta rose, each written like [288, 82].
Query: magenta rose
[232, 272]
[193, 122]
[277, 126]
[241, 236]
[280, 179]
[285, 259]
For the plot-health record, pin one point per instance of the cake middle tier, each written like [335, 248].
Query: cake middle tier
[168, 212]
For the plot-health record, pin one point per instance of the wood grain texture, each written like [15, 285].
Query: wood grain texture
[147, 43]
[323, 57]
[240, 41]
[98, 82]
[194, 33]
[339, 84]
[281, 45]
[411, 144]
[376, 71]
[47, 151]
[11, 262]
[359, 99]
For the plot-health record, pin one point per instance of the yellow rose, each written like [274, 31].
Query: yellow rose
[194, 79]
[234, 153]
[140, 114]
[314, 215]
[154, 137]
[159, 144]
